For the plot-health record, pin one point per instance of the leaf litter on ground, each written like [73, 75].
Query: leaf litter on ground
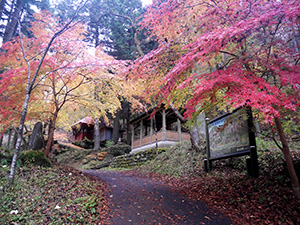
[268, 199]
[57, 195]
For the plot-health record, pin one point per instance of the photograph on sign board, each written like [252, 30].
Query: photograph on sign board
[229, 135]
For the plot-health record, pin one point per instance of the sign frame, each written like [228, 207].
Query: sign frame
[249, 138]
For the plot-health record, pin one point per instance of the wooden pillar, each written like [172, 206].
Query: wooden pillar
[141, 132]
[146, 130]
[164, 127]
[179, 129]
[132, 135]
[151, 130]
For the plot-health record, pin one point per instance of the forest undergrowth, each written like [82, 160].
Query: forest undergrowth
[62, 195]
[52, 195]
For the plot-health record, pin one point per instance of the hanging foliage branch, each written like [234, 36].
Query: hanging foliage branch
[233, 52]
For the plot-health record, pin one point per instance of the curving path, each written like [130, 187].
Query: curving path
[144, 201]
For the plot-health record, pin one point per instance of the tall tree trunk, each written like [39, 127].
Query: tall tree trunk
[97, 40]
[128, 130]
[51, 134]
[96, 135]
[134, 29]
[1, 140]
[9, 8]
[15, 138]
[12, 23]
[286, 152]
[19, 139]
[9, 137]
[2, 5]
[116, 130]
[136, 41]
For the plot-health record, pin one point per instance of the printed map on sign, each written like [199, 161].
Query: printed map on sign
[229, 135]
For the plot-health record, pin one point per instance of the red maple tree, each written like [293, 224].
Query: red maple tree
[237, 52]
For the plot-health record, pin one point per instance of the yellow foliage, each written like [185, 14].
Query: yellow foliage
[74, 81]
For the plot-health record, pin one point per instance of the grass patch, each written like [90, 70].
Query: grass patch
[178, 161]
[87, 158]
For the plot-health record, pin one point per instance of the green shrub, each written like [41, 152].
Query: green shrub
[85, 143]
[5, 157]
[108, 144]
[119, 149]
[178, 160]
[36, 158]
[77, 143]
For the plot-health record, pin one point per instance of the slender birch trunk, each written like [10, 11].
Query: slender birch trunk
[30, 86]
[19, 140]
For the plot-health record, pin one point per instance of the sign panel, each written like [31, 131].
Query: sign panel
[229, 135]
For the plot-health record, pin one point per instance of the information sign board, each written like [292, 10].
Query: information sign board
[229, 135]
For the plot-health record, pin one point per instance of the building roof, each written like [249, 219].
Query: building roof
[90, 122]
[87, 120]
[171, 115]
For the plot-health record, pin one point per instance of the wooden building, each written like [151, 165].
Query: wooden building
[85, 129]
[169, 130]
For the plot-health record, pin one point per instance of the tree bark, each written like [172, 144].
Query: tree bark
[128, 130]
[136, 41]
[116, 130]
[96, 135]
[2, 5]
[19, 139]
[1, 140]
[286, 152]
[12, 23]
[97, 40]
[9, 137]
[134, 29]
[15, 138]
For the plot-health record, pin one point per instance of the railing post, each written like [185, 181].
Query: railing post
[164, 126]
[151, 130]
[179, 130]
[132, 135]
[141, 132]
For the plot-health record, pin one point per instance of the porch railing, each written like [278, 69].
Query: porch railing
[169, 136]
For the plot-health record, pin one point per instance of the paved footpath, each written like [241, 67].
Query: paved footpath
[140, 201]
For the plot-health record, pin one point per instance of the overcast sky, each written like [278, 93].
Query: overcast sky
[145, 2]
